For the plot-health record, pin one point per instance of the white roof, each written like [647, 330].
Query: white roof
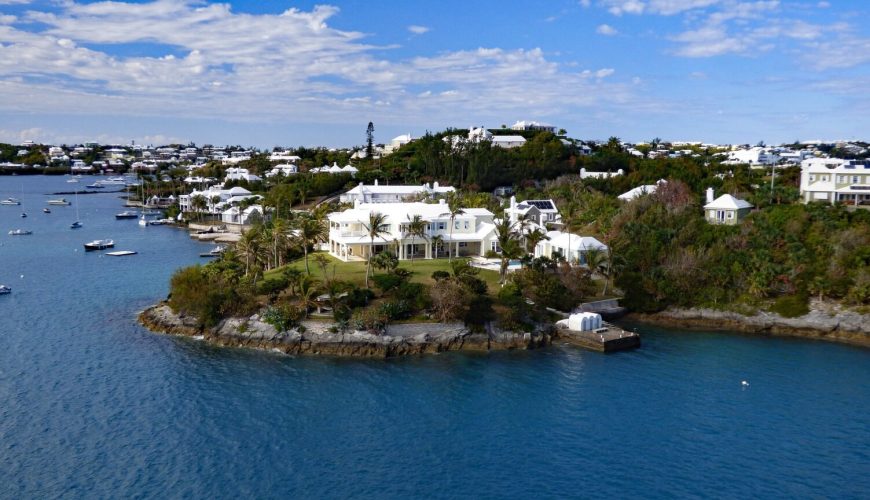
[400, 189]
[727, 202]
[401, 212]
[508, 138]
[582, 243]
[640, 191]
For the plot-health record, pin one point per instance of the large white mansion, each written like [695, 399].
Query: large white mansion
[473, 231]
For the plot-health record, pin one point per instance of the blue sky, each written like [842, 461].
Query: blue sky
[270, 72]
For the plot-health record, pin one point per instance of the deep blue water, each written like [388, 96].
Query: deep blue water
[92, 405]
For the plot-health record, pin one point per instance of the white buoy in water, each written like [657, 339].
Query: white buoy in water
[744, 383]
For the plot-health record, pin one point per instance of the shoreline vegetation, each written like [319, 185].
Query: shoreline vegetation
[323, 337]
[824, 321]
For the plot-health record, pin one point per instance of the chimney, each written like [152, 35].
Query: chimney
[442, 201]
[376, 182]
[513, 202]
[709, 195]
[435, 185]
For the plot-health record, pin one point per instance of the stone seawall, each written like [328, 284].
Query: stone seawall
[822, 323]
[316, 339]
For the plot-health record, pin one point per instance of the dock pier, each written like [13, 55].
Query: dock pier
[608, 338]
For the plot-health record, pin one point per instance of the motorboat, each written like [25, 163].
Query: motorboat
[4, 290]
[59, 201]
[214, 252]
[75, 225]
[10, 201]
[113, 181]
[72, 181]
[95, 186]
[127, 214]
[20, 232]
[46, 210]
[23, 214]
[121, 253]
[99, 245]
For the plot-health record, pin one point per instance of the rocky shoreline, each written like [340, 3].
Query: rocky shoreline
[316, 339]
[824, 322]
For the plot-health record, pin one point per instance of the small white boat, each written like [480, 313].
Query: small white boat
[72, 181]
[75, 225]
[126, 214]
[10, 201]
[95, 186]
[121, 253]
[46, 210]
[20, 232]
[23, 214]
[59, 201]
[5, 290]
[215, 252]
[99, 245]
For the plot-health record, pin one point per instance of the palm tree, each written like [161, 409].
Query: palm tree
[308, 288]
[508, 243]
[198, 203]
[453, 210]
[595, 260]
[437, 243]
[416, 228]
[311, 232]
[280, 240]
[375, 230]
[249, 248]
[534, 237]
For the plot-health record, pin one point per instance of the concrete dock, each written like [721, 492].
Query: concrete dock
[608, 338]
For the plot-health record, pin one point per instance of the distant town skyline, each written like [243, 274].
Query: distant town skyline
[272, 73]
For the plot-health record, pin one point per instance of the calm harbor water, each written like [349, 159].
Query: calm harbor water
[92, 405]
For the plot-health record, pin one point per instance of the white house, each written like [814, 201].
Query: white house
[508, 141]
[217, 199]
[570, 246]
[640, 191]
[284, 169]
[79, 166]
[397, 143]
[752, 156]
[335, 169]
[541, 212]
[725, 209]
[833, 179]
[473, 231]
[235, 215]
[584, 174]
[532, 125]
[377, 193]
[240, 174]
[284, 156]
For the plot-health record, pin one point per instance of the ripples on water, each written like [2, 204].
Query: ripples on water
[94, 406]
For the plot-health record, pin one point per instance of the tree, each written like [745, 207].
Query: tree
[308, 290]
[596, 260]
[198, 203]
[453, 209]
[370, 140]
[311, 232]
[507, 241]
[374, 229]
[416, 229]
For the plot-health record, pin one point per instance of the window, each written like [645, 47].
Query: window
[812, 178]
[456, 225]
[730, 215]
[854, 179]
[442, 225]
[466, 224]
[840, 179]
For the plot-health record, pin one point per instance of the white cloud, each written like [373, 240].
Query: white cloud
[606, 29]
[619, 7]
[661, 7]
[418, 30]
[14, 2]
[585, 3]
[291, 66]
[824, 5]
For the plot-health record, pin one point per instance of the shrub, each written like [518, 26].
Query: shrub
[282, 317]
[387, 282]
[369, 320]
[414, 294]
[440, 275]
[394, 309]
[791, 306]
[449, 301]
[272, 287]
[359, 297]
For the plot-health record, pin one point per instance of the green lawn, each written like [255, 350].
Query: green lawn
[355, 272]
